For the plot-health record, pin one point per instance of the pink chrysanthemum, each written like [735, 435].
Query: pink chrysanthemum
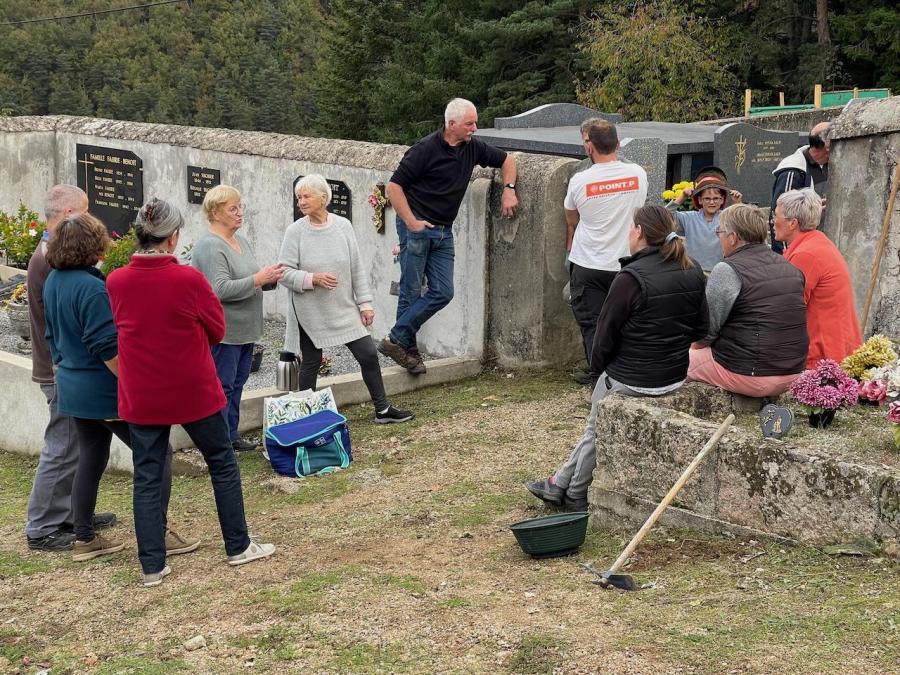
[826, 387]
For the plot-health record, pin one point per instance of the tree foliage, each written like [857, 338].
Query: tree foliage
[383, 70]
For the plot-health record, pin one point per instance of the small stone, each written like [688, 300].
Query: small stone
[529, 595]
[533, 610]
[195, 643]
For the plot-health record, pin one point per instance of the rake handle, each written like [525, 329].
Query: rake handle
[885, 230]
[651, 521]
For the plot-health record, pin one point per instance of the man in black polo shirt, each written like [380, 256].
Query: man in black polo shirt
[426, 191]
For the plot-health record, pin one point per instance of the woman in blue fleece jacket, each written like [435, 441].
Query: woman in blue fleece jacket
[84, 347]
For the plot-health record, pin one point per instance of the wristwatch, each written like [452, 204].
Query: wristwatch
[511, 186]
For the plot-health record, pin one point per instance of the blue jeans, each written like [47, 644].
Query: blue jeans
[428, 253]
[149, 447]
[233, 368]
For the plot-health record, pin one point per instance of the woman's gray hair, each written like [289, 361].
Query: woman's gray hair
[746, 221]
[314, 183]
[804, 206]
[456, 109]
[157, 221]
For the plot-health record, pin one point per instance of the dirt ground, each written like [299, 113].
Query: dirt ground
[405, 563]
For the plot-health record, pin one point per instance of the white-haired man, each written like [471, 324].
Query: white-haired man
[426, 191]
[49, 519]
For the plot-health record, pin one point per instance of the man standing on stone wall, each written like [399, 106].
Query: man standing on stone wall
[426, 191]
[806, 167]
[599, 206]
[49, 524]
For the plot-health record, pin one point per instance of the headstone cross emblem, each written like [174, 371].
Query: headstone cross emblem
[740, 154]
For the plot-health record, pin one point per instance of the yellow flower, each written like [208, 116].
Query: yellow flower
[678, 193]
[668, 194]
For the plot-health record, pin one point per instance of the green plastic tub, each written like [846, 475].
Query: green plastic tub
[551, 536]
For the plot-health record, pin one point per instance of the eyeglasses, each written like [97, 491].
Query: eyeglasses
[720, 230]
[237, 208]
[712, 199]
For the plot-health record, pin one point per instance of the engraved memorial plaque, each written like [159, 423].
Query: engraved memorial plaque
[749, 154]
[200, 181]
[114, 182]
[341, 199]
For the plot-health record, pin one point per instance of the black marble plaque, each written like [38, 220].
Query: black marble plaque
[114, 182]
[200, 181]
[341, 199]
[748, 155]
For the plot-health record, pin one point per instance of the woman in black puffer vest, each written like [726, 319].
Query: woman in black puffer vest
[655, 309]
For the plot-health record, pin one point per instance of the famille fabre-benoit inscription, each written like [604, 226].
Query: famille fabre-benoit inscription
[200, 181]
[341, 199]
[114, 182]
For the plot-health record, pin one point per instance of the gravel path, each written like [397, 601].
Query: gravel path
[342, 360]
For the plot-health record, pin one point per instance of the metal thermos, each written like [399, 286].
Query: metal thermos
[287, 377]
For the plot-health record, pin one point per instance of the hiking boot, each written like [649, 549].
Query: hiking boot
[176, 544]
[254, 552]
[155, 579]
[544, 489]
[574, 503]
[99, 545]
[395, 352]
[241, 445]
[415, 365]
[53, 542]
[393, 416]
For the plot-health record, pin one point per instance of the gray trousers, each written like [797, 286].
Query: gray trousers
[50, 503]
[576, 474]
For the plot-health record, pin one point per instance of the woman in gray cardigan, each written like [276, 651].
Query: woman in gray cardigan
[227, 261]
[330, 301]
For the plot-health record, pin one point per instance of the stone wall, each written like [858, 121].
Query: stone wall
[796, 120]
[791, 489]
[865, 150]
[509, 272]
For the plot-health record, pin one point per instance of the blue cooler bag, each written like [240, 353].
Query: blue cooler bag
[312, 445]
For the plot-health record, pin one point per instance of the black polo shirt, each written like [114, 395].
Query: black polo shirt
[434, 175]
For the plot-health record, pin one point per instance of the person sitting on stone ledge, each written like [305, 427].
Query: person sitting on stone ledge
[757, 341]
[830, 311]
[655, 309]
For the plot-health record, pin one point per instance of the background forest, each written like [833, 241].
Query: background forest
[382, 70]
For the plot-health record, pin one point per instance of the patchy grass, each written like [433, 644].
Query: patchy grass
[404, 563]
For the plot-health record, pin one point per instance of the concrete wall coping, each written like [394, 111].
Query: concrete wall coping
[868, 117]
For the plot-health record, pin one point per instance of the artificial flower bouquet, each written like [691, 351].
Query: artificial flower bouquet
[824, 389]
[876, 352]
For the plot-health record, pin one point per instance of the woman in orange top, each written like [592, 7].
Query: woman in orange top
[830, 311]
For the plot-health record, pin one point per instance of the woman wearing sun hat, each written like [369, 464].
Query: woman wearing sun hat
[710, 195]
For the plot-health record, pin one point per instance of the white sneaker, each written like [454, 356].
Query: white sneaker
[254, 552]
[156, 578]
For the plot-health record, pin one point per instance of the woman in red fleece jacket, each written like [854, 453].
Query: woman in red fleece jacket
[167, 316]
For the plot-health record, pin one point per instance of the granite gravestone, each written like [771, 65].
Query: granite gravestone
[114, 182]
[650, 154]
[748, 155]
[341, 199]
[200, 181]
[553, 115]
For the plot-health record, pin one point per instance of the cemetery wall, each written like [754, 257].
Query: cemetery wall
[509, 272]
[864, 153]
[796, 120]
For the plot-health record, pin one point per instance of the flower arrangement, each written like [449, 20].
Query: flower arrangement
[19, 296]
[893, 416]
[20, 234]
[120, 251]
[875, 352]
[677, 192]
[379, 202]
[824, 389]
[874, 391]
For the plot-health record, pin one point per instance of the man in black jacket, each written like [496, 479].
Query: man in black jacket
[806, 167]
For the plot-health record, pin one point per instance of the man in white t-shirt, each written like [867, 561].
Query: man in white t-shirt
[600, 203]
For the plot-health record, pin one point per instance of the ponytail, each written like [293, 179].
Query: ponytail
[658, 225]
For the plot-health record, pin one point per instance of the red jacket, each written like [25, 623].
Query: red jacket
[167, 316]
[830, 312]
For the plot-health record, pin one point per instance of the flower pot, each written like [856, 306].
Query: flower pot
[821, 420]
[19, 319]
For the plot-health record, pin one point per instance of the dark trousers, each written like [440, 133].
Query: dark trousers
[94, 438]
[589, 289]
[233, 368]
[149, 443]
[430, 254]
[363, 351]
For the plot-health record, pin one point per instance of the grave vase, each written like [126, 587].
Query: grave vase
[821, 420]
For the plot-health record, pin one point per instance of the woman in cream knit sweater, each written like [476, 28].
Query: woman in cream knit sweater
[329, 299]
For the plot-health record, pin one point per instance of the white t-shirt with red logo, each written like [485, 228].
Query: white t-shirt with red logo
[605, 196]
